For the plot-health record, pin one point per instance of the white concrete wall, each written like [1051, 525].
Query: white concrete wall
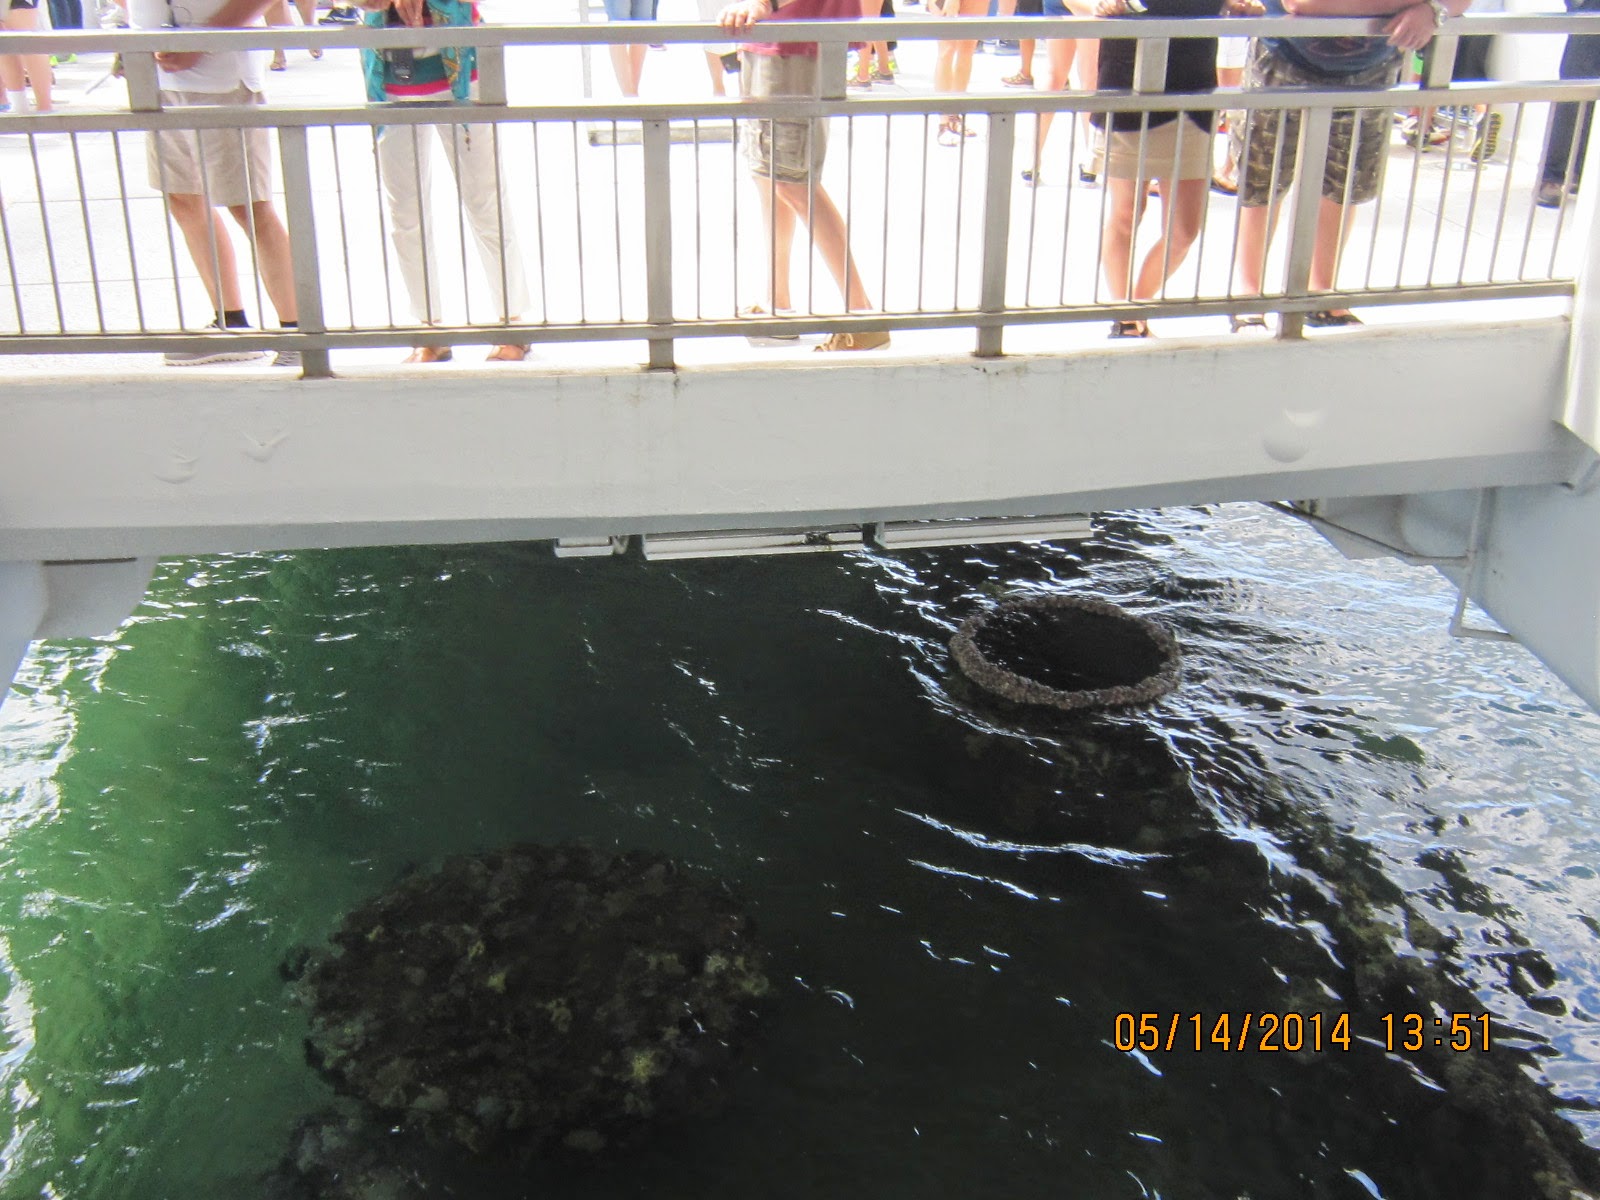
[181, 464]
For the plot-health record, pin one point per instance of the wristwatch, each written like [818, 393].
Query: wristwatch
[1440, 13]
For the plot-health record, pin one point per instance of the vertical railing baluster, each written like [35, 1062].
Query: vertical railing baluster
[1315, 126]
[996, 230]
[657, 141]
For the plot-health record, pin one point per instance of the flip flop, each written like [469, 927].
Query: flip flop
[1223, 186]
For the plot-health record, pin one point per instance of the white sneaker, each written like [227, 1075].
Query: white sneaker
[220, 354]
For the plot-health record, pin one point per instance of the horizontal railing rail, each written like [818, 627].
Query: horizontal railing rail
[660, 242]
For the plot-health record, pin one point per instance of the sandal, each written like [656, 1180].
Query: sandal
[279, 62]
[430, 354]
[508, 352]
[1219, 184]
[1018, 80]
[953, 129]
[316, 52]
[1127, 329]
[883, 76]
[855, 81]
[1328, 319]
[1240, 324]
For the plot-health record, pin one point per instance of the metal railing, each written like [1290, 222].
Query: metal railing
[637, 220]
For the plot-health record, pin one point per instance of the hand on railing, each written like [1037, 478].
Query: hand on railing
[743, 14]
[1413, 28]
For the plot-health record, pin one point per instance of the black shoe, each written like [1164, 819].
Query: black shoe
[1550, 194]
[1324, 319]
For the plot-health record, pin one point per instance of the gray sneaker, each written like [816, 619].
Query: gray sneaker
[218, 354]
[287, 358]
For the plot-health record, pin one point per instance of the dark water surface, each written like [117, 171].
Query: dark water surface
[957, 905]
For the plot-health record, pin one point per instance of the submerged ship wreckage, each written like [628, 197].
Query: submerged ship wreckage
[522, 1000]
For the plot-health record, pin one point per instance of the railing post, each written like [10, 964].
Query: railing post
[302, 222]
[1315, 126]
[1150, 65]
[139, 73]
[996, 229]
[492, 75]
[657, 141]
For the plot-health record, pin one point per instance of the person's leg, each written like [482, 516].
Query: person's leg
[1332, 230]
[714, 65]
[404, 166]
[277, 15]
[36, 67]
[628, 61]
[1058, 75]
[810, 203]
[1257, 223]
[470, 151]
[265, 229]
[66, 14]
[1125, 201]
[1568, 138]
[1183, 204]
[778, 219]
[209, 249]
[1086, 75]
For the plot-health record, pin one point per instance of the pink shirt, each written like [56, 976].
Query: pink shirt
[805, 10]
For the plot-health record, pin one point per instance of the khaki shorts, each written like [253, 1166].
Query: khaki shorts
[226, 166]
[1359, 139]
[1161, 150]
[788, 151]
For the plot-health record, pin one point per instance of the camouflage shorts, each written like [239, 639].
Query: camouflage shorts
[1359, 136]
[788, 151]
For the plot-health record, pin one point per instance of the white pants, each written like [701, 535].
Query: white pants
[405, 164]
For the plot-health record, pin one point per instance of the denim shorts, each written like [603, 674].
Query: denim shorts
[628, 10]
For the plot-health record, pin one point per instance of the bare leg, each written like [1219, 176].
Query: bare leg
[36, 67]
[1125, 203]
[210, 249]
[811, 204]
[1256, 225]
[778, 220]
[714, 65]
[1058, 57]
[1332, 230]
[1182, 209]
[628, 63]
[278, 15]
[260, 222]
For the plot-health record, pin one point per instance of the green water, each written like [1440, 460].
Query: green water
[956, 907]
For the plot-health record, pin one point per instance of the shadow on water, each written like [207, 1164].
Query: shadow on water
[958, 905]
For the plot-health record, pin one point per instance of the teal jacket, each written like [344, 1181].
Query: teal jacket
[453, 66]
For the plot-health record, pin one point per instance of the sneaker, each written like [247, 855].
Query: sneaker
[871, 339]
[1550, 194]
[1488, 139]
[220, 354]
[340, 14]
[287, 358]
